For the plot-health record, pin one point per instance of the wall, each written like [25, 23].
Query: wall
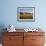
[8, 13]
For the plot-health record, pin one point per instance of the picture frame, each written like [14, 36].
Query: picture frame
[26, 14]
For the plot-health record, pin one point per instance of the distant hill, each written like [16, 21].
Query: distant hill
[26, 15]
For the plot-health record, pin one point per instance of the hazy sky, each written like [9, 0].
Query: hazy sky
[30, 10]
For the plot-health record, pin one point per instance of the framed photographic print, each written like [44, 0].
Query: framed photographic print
[26, 14]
